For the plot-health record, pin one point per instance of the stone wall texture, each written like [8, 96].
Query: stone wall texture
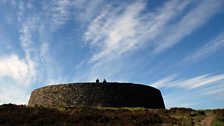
[97, 95]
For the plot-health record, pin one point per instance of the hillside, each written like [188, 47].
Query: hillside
[20, 115]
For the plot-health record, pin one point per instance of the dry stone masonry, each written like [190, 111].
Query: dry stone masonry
[97, 95]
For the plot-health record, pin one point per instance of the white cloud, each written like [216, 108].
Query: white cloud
[189, 83]
[16, 76]
[200, 81]
[34, 40]
[87, 9]
[189, 23]
[191, 91]
[162, 82]
[60, 12]
[115, 32]
[20, 70]
[208, 49]
[25, 38]
[217, 90]
[13, 92]
[54, 14]
[35, 36]
[119, 30]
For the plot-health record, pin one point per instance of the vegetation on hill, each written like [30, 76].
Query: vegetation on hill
[21, 115]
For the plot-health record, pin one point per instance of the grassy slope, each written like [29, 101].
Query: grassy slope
[19, 115]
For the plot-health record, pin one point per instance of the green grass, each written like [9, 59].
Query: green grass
[217, 123]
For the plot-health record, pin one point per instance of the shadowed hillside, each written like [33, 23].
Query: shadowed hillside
[21, 115]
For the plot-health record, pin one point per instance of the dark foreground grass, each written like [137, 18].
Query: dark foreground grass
[20, 115]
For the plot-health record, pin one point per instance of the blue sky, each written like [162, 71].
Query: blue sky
[176, 46]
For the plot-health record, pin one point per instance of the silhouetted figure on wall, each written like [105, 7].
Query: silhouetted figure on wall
[104, 81]
[97, 81]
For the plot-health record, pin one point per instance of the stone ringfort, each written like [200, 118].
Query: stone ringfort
[110, 94]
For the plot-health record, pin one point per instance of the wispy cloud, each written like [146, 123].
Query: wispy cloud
[115, 32]
[120, 30]
[25, 38]
[208, 49]
[189, 23]
[58, 11]
[189, 83]
[38, 51]
[189, 92]
[163, 82]
[216, 89]
[87, 10]
[36, 36]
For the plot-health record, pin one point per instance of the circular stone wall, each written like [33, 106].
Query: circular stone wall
[97, 94]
